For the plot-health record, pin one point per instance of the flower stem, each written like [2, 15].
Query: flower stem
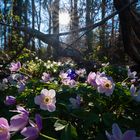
[47, 137]
[125, 79]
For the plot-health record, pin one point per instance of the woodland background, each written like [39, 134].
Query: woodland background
[34, 24]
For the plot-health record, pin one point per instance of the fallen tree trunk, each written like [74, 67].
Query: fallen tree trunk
[51, 39]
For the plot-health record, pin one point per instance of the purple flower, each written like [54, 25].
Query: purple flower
[75, 102]
[101, 82]
[117, 134]
[4, 129]
[63, 75]
[21, 87]
[91, 78]
[38, 120]
[94, 78]
[15, 67]
[134, 93]
[10, 100]
[14, 78]
[133, 90]
[67, 79]
[69, 82]
[131, 74]
[46, 77]
[71, 74]
[105, 85]
[46, 100]
[18, 122]
[32, 132]
[81, 72]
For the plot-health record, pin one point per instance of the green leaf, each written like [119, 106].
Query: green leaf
[60, 124]
[69, 133]
[93, 118]
[108, 119]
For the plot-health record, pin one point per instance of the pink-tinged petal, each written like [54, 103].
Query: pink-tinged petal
[91, 77]
[51, 93]
[53, 101]
[116, 131]
[51, 107]
[4, 122]
[15, 67]
[18, 122]
[45, 77]
[31, 133]
[38, 100]
[21, 110]
[63, 75]
[129, 135]
[43, 106]
[4, 129]
[44, 92]
[98, 81]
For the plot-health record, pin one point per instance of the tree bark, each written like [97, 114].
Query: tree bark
[89, 35]
[55, 22]
[130, 27]
[33, 24]
[5, 28]
[74, 23]
[103, 27]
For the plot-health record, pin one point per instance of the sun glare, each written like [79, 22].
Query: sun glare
[64, 18]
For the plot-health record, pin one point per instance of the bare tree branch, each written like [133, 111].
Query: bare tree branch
[51, 38]
[90, 26]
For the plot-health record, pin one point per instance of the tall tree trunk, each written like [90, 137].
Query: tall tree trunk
[55, 22]
[112, 38]
[89, 35]
[17, 11]
[39, 21]
[5, 28]
[74, 22]
[102, 30]
[49, 47]
[33, 24]
[17, 21]
[25, 12]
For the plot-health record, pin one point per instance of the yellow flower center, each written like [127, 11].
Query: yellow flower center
[47, 100]
[2, 130]
[108, 85]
